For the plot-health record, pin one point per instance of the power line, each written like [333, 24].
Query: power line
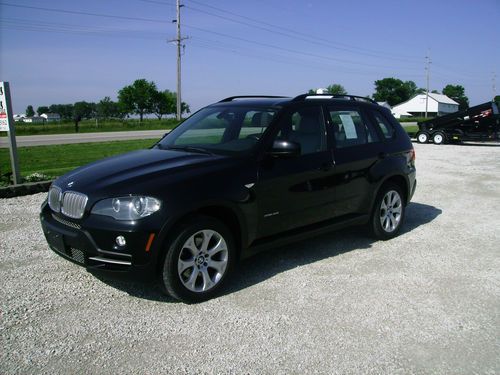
[311, 38]
[83, 13]
[134, 35]
[292, 33]
[276, 47]
[74, 27]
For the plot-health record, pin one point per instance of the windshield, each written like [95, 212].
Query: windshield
[227, 129]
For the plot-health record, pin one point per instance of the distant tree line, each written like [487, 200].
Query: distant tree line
[395, 91]
[140, 98]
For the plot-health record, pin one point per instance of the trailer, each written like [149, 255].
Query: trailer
[478, 123]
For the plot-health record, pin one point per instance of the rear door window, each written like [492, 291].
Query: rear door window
[350, 129]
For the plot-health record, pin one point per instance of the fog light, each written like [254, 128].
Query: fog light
[120, 241]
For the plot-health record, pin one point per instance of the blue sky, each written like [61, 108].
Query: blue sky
[244, 47]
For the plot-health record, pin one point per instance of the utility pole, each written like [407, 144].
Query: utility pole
[178, 40]
[427, 70]
[494, 84]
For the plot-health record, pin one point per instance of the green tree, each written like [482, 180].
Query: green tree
[30, 112]
[107, 108]
[42, 109]
[334, 89]
[457, 93]
[394, 91]
[81, 110]
[64, 110]
[164, 103]
[185, 108]
[138, 97]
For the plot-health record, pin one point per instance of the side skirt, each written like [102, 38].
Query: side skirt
[298, 234]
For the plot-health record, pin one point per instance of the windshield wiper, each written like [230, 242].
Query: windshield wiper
[189, 149]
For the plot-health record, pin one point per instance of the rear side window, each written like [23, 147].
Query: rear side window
[384, 125]
[350, 129]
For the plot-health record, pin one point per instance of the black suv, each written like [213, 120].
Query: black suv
[239, 176]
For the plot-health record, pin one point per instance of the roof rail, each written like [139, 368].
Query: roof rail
[231, 98]
[333, 96]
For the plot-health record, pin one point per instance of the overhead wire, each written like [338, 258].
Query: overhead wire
[267, 45]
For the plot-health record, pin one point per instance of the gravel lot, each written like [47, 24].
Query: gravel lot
[425, 302]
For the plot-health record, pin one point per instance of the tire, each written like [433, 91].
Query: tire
[199, 260]
[422, 137]
[388, 212]
[438, 138]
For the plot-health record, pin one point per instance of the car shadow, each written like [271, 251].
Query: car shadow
[263, 266]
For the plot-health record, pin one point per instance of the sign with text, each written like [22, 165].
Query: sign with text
[7, 125]
[4, 115]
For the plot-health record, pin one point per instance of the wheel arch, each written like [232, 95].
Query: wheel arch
[402, 182]
[225, 214]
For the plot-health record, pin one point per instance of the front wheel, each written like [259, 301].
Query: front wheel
[199, 259]
[388, 213]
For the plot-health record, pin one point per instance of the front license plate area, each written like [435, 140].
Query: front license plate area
[56, 241]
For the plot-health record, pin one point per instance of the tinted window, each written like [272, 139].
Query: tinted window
[305, 126]
[385, 126]
[230, 129]
[350, 129]
[255, 122]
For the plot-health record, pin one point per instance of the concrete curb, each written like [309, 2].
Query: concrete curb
[24, 189]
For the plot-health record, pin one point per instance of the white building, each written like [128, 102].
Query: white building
[51, 117]
[438, 105]
[34, 120]
[19, 117]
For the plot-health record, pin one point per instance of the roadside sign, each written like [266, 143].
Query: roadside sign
[4, 120]
[7, 124]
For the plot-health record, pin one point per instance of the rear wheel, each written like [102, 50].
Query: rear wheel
[388, 213]
[199, 259]
[422, 137]
[438, 138]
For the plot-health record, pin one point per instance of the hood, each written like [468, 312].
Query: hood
[127, 173]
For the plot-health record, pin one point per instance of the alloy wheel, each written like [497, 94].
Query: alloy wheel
[390, 211]
[202, 261]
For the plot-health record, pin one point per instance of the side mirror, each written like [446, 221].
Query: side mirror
[282, 148]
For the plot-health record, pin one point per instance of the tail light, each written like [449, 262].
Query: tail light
[412, 156]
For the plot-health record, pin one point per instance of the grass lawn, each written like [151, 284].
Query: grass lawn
[55, 160]
[90, 126]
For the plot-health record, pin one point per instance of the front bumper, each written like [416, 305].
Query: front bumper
[90, 243]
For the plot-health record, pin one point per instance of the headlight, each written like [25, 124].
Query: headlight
[127, 208]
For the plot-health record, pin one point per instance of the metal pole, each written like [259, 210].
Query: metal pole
[427, 88]
[11, 135]
[179, 99]
[494, 86]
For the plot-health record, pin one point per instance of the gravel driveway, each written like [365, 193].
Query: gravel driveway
[425, 302]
